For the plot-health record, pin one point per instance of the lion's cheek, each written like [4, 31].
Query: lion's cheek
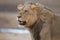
[31, 21]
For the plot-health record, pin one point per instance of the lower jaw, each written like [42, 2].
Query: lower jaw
[21, 26]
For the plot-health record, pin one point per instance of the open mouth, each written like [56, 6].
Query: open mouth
[22, 22]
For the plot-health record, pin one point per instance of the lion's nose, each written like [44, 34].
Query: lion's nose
[19, 16]
[19, 21]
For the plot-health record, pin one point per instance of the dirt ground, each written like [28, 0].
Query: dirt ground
[10, 36]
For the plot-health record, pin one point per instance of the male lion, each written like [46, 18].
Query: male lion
[37, 19]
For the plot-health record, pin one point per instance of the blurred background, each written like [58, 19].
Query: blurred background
[8, 24]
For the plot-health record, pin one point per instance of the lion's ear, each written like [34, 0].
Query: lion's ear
[19, 7]
[34, 6]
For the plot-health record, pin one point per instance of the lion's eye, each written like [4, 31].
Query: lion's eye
[25, 12]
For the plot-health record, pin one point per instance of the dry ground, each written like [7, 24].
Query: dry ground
[10, 36]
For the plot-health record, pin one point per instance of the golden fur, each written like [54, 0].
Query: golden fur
[34, 15]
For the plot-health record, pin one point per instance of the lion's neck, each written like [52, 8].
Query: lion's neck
[35, 30]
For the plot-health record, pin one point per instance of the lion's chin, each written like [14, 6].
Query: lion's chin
[21, 26]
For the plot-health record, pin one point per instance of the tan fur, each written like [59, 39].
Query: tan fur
[34, 14]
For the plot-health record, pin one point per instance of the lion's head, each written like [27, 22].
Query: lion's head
[28, 14]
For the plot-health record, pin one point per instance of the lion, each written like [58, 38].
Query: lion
[38, 19]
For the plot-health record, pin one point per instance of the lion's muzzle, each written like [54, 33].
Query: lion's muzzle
[22, 22]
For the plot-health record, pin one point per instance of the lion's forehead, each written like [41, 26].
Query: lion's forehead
[27, 7]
